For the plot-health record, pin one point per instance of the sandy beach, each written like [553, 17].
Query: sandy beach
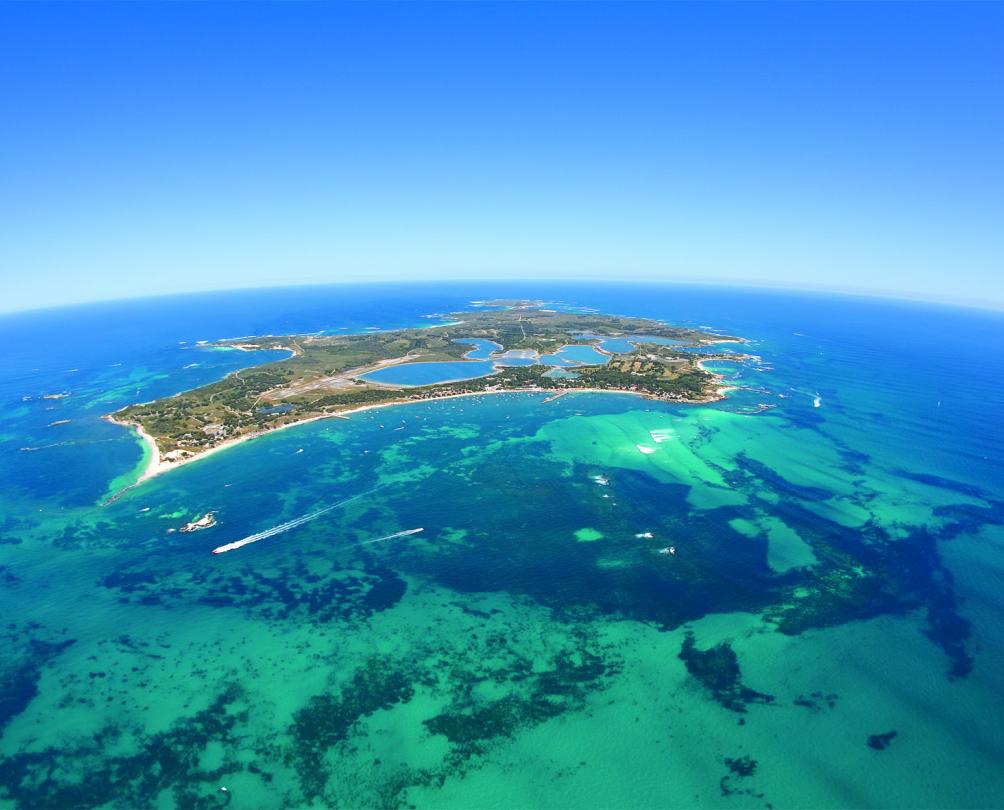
[158, 465]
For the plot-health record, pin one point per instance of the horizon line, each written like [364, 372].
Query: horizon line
[844, 292]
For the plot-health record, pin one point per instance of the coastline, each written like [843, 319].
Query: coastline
[722, 390]
[156, 465]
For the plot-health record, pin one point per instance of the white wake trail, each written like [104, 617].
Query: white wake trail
[392, 536]
[283, 527]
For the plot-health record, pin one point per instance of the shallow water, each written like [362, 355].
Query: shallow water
[828, 632]
[483, 349]
[517, 357]
[574, 355]
[432, 373]
[617, 345]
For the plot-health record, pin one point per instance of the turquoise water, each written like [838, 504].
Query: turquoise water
[827, 633]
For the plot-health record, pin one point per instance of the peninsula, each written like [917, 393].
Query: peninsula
[327, 375]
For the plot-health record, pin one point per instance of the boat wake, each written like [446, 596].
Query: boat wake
[283, 527]
[405, 533]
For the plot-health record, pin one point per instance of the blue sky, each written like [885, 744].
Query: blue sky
[160, 148]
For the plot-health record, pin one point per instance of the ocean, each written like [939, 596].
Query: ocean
[827, 630]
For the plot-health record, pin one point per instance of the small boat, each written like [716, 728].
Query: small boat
[668, 551]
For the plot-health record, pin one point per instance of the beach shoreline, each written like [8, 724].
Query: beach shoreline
[157, 465]
[179, 451]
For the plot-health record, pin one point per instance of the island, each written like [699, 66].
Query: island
[207, 521]
[502, 346]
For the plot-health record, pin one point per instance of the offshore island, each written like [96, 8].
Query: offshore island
[511, 346]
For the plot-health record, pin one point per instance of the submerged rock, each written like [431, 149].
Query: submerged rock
[881, 741]
[717, 668]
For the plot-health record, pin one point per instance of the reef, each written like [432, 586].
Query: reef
[717, 669]
[24, 658]
[318, 591]
[85, 775]
[8, 577]
[540, 695]
[327, 719]
[816, 700]
[865, 572]
[738, 768]
[881, 741]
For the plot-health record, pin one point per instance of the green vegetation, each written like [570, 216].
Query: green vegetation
[324, 374]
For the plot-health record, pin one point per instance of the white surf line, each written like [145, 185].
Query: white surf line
[392, 536]
[282, 527]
